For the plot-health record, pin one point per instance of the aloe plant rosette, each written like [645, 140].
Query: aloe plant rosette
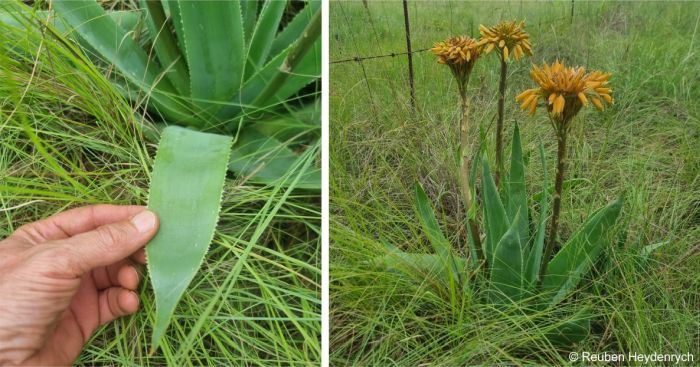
[238, 77]
[514, 254]
[217, 66]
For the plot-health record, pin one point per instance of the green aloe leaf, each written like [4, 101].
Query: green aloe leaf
[508, 277]
[442, 247]
[282, 76]
[295, 28]
[471, 212]
[264, 35]
[426, 216]
[266, 160]
[185, 193]
[249, 10]
[308, 71]
[572, 331]
[535, 256]
[495, 218]
[11, 13]
[212, 35]
[301, 124]
[170, 57]
[647, 250]
[295, 64]
[515, 189]
[116, 46]
[417, 267]
[577, 255]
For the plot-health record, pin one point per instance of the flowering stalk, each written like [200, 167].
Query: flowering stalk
[460, 54]
[558, 185]
[508, 38]
[499, 124]
[566, 90]
[465, 149]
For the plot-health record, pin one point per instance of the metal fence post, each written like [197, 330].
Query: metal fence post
[409, 54]
[572, 12]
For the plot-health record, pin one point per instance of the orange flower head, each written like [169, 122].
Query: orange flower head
[458, 50]
[566, 90]
[509, 38]
[459, 53]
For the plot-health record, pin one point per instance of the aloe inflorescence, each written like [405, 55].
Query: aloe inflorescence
[565, 91]
[507, 39]
[460, 54]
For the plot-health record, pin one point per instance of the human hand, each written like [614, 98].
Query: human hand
[62, 277]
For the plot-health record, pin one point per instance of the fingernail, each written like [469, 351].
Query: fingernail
[144, 221]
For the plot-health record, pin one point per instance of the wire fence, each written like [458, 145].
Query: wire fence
[363, 58]
[360, 59]
[402, 53]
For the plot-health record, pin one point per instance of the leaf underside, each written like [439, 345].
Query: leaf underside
[185, 193]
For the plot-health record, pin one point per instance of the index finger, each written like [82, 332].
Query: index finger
[75, 221]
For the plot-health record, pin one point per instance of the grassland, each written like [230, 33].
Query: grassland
[68, 138]
[647, 145]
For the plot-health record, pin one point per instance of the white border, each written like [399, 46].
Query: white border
[325, 301]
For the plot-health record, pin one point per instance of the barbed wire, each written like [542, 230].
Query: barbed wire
[394, 54]
[362, 58]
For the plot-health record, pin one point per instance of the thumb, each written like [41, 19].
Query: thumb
[108, 243]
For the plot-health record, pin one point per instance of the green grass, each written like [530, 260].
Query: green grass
[67, 138]
[647, 145]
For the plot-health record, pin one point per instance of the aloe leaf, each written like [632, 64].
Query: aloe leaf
[535, 255]
[300, 124]
[173, 9]
[308, 70]
[115, 46]
[647, 250]
[471, 212]
[577, 255]
[515, 189]
[573, 330]
[125, 19]
[171, 58]
[295, 28]
[495, 219]
[264, 159]
[296, 56]
[264, 35]
[418, 267]
[212, 33]
[249, 10]
[508, 279]
[185, 193]
[426, 216]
